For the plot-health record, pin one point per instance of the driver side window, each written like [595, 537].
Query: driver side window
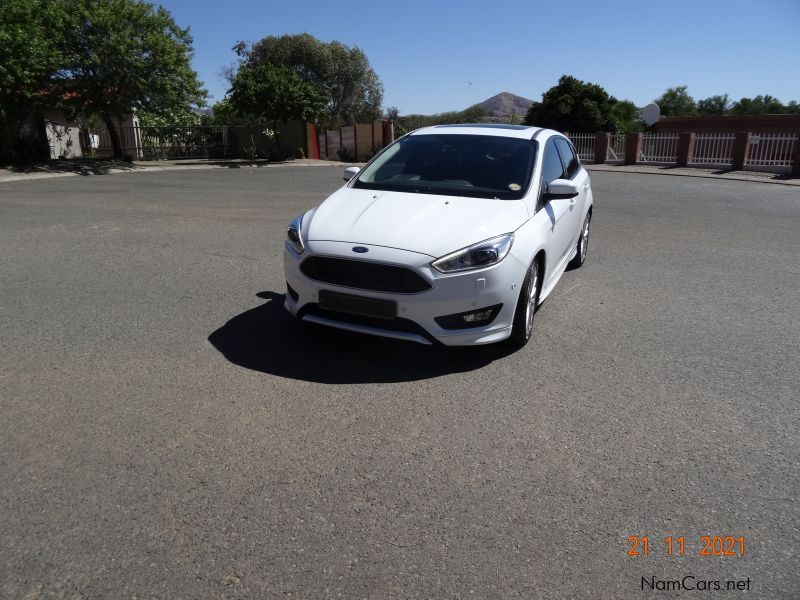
[551, 168]
[551, 164]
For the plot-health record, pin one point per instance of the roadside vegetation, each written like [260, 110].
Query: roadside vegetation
[100, 60]
[577, 106]
[300, 77]
[406, 123]
[581, 107]
[92, 60]
[676, 102]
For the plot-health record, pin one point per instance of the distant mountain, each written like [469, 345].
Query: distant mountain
[505, 104]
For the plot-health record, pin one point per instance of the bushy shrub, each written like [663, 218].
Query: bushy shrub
[346, 154]
[19, 148]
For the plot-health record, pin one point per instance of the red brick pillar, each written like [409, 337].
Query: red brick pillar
[633, 148]
[387, 133]
[796, 159]
[685, 148]
[602, 140]
[741, 148]
[312, 141]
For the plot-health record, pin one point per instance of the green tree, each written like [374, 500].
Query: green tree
[472, 114]
[264, 92]
[183, 115]
[30, 55]
[625, 116]
[575, 106]
[793, 108]
[224, 113]
[124, 55]
[760, 105]
[676, 102]
[340, 74]
[714, 105]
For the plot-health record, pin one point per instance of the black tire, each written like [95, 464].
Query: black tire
[527, 302]
[582, 248]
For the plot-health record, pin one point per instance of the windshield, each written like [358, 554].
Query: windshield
[482, 166]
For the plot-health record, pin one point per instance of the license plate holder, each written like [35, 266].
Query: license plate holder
[361, 306]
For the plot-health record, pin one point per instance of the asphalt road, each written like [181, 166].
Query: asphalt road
[167, 432]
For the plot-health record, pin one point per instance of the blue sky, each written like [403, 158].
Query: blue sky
[437, 56]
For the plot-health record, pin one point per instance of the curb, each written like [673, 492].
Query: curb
[731, 176]
[144, 168]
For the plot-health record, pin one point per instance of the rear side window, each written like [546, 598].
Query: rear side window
[568, 157]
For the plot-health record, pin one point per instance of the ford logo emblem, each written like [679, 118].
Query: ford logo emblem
[360, 249]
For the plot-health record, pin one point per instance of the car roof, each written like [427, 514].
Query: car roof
[515, 131]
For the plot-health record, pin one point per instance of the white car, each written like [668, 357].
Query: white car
[452, 234]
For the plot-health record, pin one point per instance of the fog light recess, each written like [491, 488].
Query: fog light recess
[472, 318]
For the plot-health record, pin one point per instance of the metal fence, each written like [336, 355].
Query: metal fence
[128, 137]
[616, 148]
[159, 143]
[659, 148]
[183, 142]
[713, 149]
[771, 150]
[584, 144]
[330, 145]
[767, 151]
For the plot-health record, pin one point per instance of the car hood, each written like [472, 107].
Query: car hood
[431, 224]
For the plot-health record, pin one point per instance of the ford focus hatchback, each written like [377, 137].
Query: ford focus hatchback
[452, 234]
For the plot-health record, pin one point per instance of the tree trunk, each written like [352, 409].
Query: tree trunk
[116, 143]
[274, 151]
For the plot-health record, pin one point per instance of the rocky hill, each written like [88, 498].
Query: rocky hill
[505, 104]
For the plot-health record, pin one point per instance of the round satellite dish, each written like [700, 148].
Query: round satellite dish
[651, 113]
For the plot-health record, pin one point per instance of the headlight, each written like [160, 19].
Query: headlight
[294, 236]
[477, 256]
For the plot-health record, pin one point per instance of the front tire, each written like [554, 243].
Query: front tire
[583, 245]
[522, 329]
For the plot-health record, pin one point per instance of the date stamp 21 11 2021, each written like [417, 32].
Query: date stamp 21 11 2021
[710, 545]
[705, 545]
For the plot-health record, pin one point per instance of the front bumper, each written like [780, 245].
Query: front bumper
[452, 293]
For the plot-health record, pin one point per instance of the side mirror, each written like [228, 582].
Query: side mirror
[350, 172]
[560, 189]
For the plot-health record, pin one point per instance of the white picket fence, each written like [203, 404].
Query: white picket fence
[584, 144]
[768, 151]
[713, 149]
[659, 148]
[616, 148]
[771, 150]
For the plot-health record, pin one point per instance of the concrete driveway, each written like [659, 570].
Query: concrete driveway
[168, 432]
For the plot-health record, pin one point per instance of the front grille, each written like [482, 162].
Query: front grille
[364, 275]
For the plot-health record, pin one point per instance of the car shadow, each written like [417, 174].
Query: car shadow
[268, 339]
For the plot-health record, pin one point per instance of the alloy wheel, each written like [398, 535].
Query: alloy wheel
[585, 239]
[530, 307]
